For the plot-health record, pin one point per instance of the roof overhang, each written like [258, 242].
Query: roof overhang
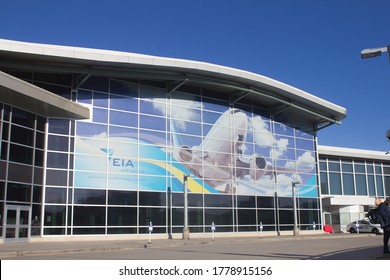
[349, 200]
[237, 83]
[352, 153]
[23, 95]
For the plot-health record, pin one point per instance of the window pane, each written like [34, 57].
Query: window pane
[360, 168]
[155, 123]
[155, 215]
[89, 216]
[57, 143]
[308, 203]
[323, 166]
[246, 217]
[348, 184]
[55, 215]
[59, 126]
[379, 186]
[152, 198]
[40, 140]
[286, 217]
[371, 185]
[23, 118]
[286, 202]
[125, 119]
[55, 195]
[347, 167]
[18, 192]
[123, 88]
[20, 173]
[219, 216]
[334, 166]
[22, 135]
[56, 177]
[20, 154]
[308, 217]
[335, 183]
[387, 186]
[124, 104]
[361, 188]
[265, 202]
[266, 216]
[246, 201]
[57, 160]
[122, 198]
[122, 216]
[100, 115]
[217, 200]
[82, 196]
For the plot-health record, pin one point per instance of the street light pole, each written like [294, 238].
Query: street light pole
[186, 230]
[368, 53]
[296, 229]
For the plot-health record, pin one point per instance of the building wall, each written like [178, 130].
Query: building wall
[351, 184]
[124, 167]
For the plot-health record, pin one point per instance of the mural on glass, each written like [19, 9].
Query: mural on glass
[150, 142]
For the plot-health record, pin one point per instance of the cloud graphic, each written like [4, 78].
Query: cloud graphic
[189, 110]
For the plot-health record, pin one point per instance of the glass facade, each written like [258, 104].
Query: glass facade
[357, 177]
[21, 167]
[124, 167]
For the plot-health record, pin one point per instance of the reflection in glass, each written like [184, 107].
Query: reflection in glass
[266, 217]
[246, 217]
[335, 183]
[348, 184]
[85, 196]
[55, 195]
[361, 186]
[219, 200]
[89, 216]
[124, 119]
[122, 216]
[219, 216]
[55, 215]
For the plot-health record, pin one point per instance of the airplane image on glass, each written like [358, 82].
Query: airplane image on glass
[219, 158]
[227, 152]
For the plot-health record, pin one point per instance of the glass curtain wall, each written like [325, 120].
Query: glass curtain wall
[21, 164]
[124, 167]
[346, 176]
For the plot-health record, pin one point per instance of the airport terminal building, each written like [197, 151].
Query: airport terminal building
[351, 181]
[98, 143]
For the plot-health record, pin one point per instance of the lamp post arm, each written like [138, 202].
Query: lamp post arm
[373, 52]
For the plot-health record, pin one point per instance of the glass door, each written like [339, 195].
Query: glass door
[17, 223]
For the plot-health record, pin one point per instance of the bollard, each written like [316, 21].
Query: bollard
[150, 232]
[212, 230]
[261, 229]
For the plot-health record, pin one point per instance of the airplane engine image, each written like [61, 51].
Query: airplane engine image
[257, 167]
[183, 154]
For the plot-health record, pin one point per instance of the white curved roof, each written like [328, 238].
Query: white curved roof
[277, 92]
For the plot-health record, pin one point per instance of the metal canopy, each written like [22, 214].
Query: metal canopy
[23, 95]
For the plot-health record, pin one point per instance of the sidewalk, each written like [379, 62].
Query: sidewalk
[14, 249]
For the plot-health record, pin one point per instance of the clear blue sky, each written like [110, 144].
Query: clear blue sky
[312, 45]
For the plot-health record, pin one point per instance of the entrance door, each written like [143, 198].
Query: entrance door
[17, 223]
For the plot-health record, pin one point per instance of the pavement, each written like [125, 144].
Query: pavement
[48, 247]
